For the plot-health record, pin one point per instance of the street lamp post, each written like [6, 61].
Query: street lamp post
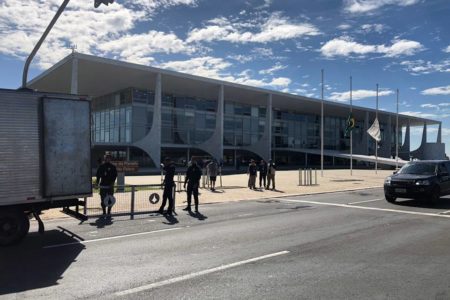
[97, 3]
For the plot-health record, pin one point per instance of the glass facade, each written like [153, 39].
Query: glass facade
[187, 120]
[126, 116]
[243, 124]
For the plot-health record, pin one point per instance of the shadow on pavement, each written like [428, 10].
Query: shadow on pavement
[101, 222]
[171, 219]
[443, 203]
[198, 215]
[28, 265]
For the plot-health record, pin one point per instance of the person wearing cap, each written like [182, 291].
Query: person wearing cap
[106, 176]
[169, 168]
[193, 176]
[271, 169]
[252, 172]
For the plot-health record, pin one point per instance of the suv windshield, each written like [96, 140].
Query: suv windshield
[418, 169]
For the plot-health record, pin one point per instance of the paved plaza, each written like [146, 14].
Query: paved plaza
[234, 187]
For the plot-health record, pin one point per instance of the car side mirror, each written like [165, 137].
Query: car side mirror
[395, 172]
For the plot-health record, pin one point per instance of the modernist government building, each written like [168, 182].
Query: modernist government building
[143, 114]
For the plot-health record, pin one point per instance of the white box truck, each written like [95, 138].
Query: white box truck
[45, 157]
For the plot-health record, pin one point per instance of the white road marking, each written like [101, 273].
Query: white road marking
[445, 212]
[110, 238]
[351, 203]
[245, 215]
[368, 208]
[196, 274]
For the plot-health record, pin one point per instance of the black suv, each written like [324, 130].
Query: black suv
[426, 179]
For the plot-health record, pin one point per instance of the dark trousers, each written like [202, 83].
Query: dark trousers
[103, 193]
[192, 189]
[262, 178]
[167, 194]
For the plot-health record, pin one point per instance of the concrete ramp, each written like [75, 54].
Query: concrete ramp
[358, 157]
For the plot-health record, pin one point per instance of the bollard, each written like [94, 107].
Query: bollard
[315, 177]
[310, 176]
[85, 206]
[174, 197]
[132, 202]
[300, 176]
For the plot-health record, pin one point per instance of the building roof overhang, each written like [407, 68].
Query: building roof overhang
[98, 76]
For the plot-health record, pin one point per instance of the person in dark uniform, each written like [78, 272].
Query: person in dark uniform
[252, 172]
[169, 168]
[262, 173]
[106, 176]
[193, 175]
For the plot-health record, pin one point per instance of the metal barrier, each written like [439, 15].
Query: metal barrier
[130, 200]
[305, 177]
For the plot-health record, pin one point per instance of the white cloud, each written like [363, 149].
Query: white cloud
[345, 46]
[150, 6]
[378, 28]
[426, 67]
[447, 50]
[213, 67]
[358, 95]
[277, 67]
[441, 90]
[344, 26]
[275, 28]
[429, 105]
[138, 47]
[424, 115]
[22, 23]
[369, 6]
[201, 66]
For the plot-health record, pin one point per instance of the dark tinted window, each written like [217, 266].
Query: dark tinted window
[419, 169]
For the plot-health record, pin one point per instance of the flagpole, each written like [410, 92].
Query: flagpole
[321, 130]
[376, 141]
[396, 135]
[351, 131]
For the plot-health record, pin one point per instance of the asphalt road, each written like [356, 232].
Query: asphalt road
[350, 245]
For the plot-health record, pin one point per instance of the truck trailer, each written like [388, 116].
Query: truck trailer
[45, 157]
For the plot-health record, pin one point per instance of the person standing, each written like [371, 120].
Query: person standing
[271, 169]
[193, 175]
[212, 172]
[106, 176]
[262, 173]
[169, 168]
[252, 172]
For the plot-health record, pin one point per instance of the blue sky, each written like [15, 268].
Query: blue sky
[279, 45]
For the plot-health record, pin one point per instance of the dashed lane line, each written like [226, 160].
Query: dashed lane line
[197, 274]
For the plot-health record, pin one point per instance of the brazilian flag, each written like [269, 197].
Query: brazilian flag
[350, 124]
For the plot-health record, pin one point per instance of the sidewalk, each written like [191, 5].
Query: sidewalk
[287, 184]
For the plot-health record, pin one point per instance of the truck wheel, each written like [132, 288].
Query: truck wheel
[14, 225]
[389, 198]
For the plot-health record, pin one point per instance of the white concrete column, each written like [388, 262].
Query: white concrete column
[366, 127]
[214, 145]
[220, 119]
[151, 143]
[269, 122]
[74, 76]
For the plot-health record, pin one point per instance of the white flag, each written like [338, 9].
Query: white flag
[374, 130]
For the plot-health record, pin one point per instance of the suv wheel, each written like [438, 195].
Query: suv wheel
[389, 198]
